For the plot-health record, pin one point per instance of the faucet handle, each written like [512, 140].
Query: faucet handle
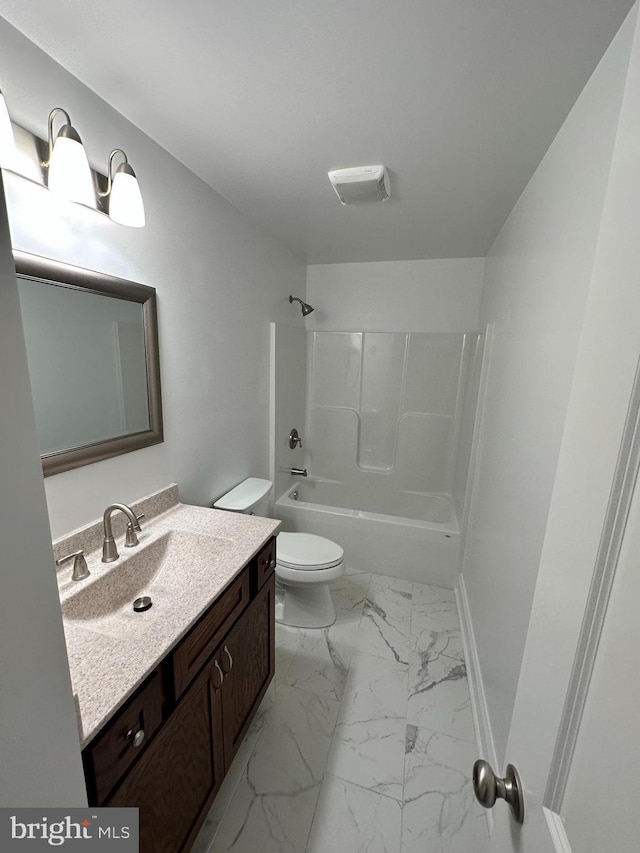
[131, 540]
[80, 568]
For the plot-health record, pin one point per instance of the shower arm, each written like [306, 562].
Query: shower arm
[304, 306]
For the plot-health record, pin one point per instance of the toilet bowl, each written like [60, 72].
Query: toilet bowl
[305, 564]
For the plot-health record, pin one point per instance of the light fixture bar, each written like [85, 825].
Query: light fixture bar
[60, 164]
[32, 154]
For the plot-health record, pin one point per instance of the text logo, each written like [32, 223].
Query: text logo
[72, 829]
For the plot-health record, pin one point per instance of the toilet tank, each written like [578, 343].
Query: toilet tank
[250, 497]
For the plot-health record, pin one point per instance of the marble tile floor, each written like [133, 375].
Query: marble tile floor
[364, 740]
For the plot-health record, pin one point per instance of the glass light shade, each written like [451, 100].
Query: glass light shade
[125, 200]
[7, 142]
[69, 171]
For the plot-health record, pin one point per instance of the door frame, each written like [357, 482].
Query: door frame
[623, 483]
[615, 522]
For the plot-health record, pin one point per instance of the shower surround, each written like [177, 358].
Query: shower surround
[389, 418]
[384, 409]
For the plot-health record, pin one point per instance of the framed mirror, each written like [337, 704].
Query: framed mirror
[92, 349]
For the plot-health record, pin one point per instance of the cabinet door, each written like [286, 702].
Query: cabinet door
[248, 658]
[177, 778]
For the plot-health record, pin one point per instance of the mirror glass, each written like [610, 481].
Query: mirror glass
[92, 350]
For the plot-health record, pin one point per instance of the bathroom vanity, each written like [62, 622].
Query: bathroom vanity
[165, 745]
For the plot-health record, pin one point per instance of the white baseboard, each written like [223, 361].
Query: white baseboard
[479, 709]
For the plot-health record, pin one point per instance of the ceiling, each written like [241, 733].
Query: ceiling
[260, 98]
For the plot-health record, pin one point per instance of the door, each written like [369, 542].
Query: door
[247, 658]
[574, 733]
[174, 782]
[574, 727]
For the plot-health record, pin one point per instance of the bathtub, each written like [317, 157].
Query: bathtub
[409, 535]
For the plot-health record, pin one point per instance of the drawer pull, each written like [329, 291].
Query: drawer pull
[136, 738]
[228, 654]
[220, 673]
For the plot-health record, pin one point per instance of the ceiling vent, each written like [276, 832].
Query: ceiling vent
[360, 184]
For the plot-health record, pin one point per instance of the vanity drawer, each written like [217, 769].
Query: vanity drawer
[115, 750]
[265, 563]
[201, 642]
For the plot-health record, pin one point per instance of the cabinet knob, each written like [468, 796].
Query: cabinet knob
[136, 738]
[230, 660]
[272, 564]
[217, 687]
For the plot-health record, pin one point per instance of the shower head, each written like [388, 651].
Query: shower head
[306, 308]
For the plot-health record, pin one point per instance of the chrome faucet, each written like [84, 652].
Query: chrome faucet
[109, 550]
[299, 472]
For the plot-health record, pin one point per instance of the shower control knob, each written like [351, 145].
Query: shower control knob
[488, 788]
[294, 439]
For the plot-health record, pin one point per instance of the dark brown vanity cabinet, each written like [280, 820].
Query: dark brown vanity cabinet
[250, 645]
[194, 711]
[179, 774]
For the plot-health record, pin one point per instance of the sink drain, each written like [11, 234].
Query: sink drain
[141, 604]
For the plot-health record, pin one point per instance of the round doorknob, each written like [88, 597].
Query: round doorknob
[488, 788]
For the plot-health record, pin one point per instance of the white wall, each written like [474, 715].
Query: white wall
[537, 280]
[219, 281]
[396, 296]
[39, 750]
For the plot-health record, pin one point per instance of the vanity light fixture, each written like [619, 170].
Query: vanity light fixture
[60, 163]
[69, 173]
[7, 142]
[125, 199]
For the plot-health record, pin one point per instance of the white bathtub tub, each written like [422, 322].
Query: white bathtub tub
[407, 535]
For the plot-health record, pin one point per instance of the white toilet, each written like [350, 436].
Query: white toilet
[305, 564]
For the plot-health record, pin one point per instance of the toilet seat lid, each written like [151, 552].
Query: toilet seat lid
[307, 551]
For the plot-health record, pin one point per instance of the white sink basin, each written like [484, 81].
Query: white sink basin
[160, 570]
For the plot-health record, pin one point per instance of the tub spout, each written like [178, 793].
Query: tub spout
[299, 472]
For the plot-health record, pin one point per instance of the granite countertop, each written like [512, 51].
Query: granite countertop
[110, 657]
